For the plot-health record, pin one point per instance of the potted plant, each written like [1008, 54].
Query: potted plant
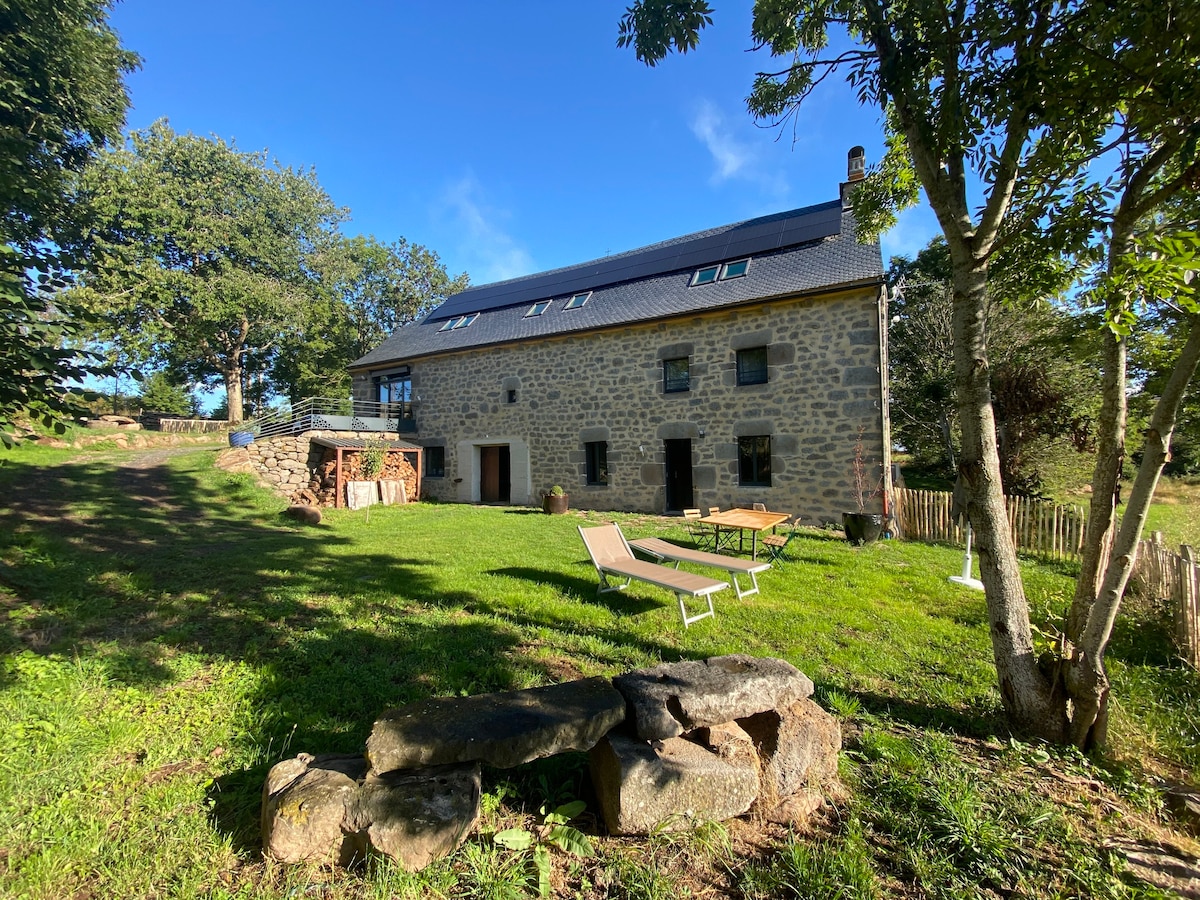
[862, 527]
[554, 501]
[371, 460]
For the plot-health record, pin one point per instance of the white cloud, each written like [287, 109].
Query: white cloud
[735, 159]
[487, 251]
[731, 156]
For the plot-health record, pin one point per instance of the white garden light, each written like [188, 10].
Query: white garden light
[965, 578]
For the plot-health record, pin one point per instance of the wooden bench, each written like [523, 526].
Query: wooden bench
[666, 550]
[612, 557]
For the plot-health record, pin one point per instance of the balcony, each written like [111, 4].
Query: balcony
[328, 414]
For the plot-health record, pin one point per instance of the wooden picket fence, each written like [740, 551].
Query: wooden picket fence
[1165, 576]
[1055, 531]
[1039, 527]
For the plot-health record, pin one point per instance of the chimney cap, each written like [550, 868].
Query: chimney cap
[856, 164]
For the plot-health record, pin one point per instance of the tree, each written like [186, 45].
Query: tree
[1022, 96]
[62, 82]
[368, 290]
[163, 394]
[198, 253]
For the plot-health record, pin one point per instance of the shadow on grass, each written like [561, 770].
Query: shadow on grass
[584, 590]
[975, 724]
[131, 567]
[134, 568]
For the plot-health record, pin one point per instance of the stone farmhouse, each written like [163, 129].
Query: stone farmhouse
[738, 365]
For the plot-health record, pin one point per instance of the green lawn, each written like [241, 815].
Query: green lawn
[168, 636]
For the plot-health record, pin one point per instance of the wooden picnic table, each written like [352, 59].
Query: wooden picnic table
[743, 520]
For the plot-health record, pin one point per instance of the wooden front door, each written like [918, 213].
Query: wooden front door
[494, 483]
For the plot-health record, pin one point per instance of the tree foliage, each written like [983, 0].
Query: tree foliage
[1043, 373]
[198, 254]
[62, 98]
[367, 289]
[164, 394]
[1023, 104]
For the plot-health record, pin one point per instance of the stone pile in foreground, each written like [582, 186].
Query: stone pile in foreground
[669, 747]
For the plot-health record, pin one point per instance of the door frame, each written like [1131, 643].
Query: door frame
[675, 451]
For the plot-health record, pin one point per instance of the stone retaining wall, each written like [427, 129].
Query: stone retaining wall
[669, 747]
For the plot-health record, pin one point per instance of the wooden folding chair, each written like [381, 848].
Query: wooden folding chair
[776, 544]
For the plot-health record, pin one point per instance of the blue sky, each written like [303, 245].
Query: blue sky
[508, 137]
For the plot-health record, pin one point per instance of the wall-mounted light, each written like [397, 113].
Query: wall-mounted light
[700, 430]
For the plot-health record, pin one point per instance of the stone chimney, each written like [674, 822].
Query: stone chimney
[856, 170]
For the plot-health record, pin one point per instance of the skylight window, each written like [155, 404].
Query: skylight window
[735, 269]
[709, 274]
[538, 308]
[578, 300]
[459, 322]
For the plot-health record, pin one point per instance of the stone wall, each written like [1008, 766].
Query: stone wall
[285, 464]
[669, 747]
[545, 400]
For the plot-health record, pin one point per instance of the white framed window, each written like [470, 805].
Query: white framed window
[538, 308]
[707, 275]
[578, 300]
[459, 322]
[735, 269]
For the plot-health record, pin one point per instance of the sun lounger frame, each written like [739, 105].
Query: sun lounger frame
[665, 550]
[614, 560]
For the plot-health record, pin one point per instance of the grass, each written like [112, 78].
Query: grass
[167, 636]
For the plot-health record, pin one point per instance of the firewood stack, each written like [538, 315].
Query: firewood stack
[322, 489]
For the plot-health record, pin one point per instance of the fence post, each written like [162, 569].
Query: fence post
[1189, 621]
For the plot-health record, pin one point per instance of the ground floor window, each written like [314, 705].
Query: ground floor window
[597, 462]
[435, 462]
[754, 461]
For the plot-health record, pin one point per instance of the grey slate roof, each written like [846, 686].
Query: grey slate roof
[801, 251]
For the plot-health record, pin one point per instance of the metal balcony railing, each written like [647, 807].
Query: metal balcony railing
[329, 414]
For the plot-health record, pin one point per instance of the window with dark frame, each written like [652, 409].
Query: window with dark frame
[754, 461]
[435, 462]
[677, 375]
[597, 462]
[512, 395]
[752, 366]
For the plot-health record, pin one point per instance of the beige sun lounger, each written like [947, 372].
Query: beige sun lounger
[735, 567]
[612, 557]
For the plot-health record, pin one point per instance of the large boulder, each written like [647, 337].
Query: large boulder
[328, 809]
[503, 729]
[668, 700]
[799, 747]
[304, 808]
[668, 785]
[418, 816]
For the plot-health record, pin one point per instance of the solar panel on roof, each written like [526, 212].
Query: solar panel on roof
[741, 239]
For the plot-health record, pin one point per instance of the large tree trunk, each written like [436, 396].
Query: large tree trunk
[1030, 698]
[1084, 674]
[233, 393]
